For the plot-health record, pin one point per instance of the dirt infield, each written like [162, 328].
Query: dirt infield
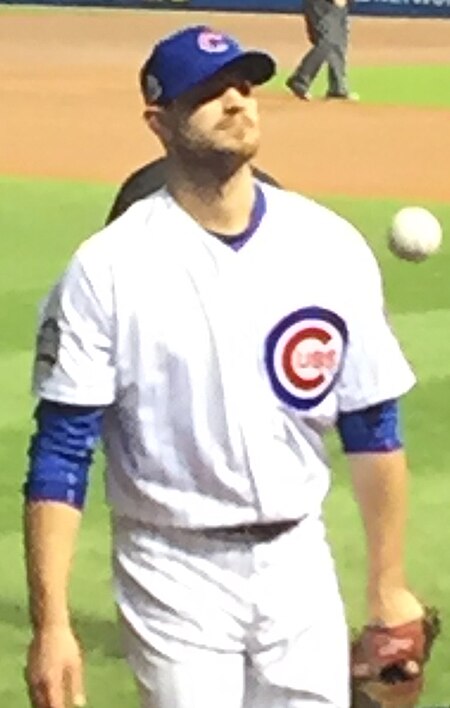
[71, 107]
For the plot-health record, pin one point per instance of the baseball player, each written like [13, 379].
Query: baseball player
[210, 336]
[149, 179]
[327, 27]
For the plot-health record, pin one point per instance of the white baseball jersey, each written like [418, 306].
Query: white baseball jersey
[220, 369]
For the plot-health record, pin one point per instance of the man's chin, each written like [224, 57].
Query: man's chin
[241, 151]
[233, 160]
[222, 160]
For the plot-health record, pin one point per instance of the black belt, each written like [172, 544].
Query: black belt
[253, 532]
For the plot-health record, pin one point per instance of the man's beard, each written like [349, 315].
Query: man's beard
[197, 154]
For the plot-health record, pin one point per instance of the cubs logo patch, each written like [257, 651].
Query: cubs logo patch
[47, 349]
[48, 342]
[304, 354]
[212, 42]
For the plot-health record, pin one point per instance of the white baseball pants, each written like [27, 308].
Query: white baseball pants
[213, 622]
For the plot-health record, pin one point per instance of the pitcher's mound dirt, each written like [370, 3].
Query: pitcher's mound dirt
[71, 106]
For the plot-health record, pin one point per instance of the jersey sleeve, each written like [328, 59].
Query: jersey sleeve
[375, 368]
[74, 352]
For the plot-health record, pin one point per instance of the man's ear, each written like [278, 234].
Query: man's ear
[152, 116]
[159, 120]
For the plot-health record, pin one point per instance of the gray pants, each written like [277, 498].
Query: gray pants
[328, 32]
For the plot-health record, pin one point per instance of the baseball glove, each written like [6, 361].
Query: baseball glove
[388, 662]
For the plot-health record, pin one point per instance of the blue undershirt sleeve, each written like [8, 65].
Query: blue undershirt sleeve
[373, 430]
[61, 451]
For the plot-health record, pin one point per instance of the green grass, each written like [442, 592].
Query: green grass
[36, 241]
[409, 85]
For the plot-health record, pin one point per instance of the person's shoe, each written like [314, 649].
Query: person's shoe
[298, 92]
[352, 97]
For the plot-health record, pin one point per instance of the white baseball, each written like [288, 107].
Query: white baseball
[414, 234]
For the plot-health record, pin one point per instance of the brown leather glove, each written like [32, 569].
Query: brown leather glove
[388, 663]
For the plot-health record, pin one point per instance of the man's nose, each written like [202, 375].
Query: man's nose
[233, 100]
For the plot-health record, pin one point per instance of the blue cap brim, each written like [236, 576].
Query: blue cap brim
[256, 67]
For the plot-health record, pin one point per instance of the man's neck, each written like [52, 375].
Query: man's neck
[221, 206]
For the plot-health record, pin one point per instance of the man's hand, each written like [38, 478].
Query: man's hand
[392, 607]
[54, 671]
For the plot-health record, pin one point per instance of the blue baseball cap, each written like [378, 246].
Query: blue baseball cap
[193, 55]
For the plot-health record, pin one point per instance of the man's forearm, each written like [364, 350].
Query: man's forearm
[380, 483]
[50, 531]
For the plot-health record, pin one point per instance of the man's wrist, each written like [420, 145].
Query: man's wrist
[386, 578]
[50, 621]
[50, 629]
[380, 586]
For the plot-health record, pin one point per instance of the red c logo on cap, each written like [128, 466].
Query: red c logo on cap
[212, 42]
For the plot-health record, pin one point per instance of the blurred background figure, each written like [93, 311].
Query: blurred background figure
[327, 28]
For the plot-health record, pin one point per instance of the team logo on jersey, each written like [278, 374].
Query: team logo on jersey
[304, 354]
[212, 42]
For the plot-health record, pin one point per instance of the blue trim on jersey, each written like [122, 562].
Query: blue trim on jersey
[257, 215]
[375, 429]
[61, 451]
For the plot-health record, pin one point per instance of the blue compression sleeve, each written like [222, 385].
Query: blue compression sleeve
[375, 429]
[61, 452]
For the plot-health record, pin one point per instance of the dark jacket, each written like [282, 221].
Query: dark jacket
[147, 180]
